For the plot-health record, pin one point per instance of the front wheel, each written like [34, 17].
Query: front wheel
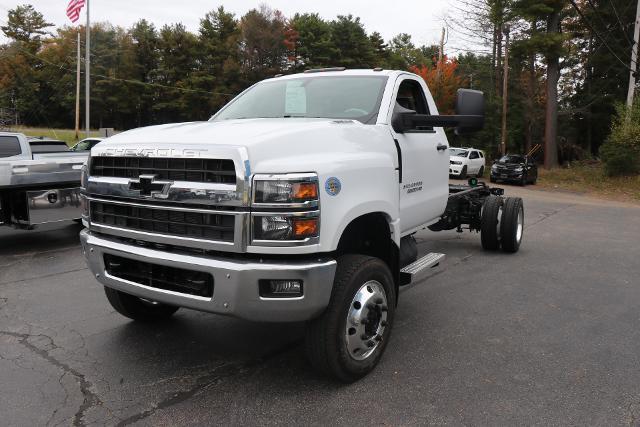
[463, 172]
[480, 172]
[137, 308]
[348, 339]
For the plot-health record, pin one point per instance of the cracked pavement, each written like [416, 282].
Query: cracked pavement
[550, 335]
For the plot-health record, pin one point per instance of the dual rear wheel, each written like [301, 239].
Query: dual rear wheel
[502, 223]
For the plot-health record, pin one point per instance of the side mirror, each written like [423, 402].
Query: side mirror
[401, 119]
[469, 115]
[470, 105]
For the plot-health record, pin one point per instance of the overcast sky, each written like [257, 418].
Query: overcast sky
[423, 19]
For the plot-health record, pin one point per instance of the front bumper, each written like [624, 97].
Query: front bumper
[506, 175]
[236, 290]
[455, 169]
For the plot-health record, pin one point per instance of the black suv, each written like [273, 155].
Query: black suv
[515, 168]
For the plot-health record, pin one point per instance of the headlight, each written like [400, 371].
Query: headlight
[84, 172]
[494, 168]
[285, 192]
[518, 169]
[289, 190]
[286, 227]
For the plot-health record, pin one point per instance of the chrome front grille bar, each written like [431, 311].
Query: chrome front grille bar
[156, 193]
[240, 221]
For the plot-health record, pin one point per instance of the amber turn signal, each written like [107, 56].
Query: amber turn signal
[304, 227]
[305, 191]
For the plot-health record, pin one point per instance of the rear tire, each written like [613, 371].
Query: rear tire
[489, 227]
[512, 224]
[348, 339]
[138, 309]
[463, 172]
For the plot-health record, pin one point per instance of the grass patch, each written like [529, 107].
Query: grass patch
[589, 178]
[66, 135]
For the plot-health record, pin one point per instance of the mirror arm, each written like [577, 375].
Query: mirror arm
[444, 120]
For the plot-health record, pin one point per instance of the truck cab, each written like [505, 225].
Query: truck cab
[297, 201]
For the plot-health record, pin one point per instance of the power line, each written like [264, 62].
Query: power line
[621, 24]
[586, 22]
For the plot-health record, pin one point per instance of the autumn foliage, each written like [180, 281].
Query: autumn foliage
[443, 82]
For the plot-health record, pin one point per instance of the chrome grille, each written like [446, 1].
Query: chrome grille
[156, 219]
[174, 169]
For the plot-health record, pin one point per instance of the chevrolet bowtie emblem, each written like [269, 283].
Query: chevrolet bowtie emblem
[149, 187]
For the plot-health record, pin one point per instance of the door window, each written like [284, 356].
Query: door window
[474, 155]
[9, 146]
[411, 97]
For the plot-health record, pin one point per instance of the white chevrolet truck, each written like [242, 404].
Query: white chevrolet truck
[297, 201]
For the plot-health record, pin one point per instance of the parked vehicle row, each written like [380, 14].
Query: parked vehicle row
[515, 168]
[466, 161]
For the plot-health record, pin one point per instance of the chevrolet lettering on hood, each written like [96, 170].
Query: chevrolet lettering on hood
[152, 152]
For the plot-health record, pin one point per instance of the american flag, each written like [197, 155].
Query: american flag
[73, 10]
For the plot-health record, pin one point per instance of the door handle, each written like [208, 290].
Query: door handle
[441, 147]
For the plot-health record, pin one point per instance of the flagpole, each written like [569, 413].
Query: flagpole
[78, 91]
[87, 73]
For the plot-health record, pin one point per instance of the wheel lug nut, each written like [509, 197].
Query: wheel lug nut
[378, 338]
[370, 344]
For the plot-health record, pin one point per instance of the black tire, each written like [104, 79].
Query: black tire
[492, 179]
[138, 309]
[523, 180]
[463, 172]
[326, 341]
[534, 180]
[489, 223]
[512, 224]
[480, 172]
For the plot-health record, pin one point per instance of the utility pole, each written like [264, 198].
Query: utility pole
[78, 91]
[87, 79]
[505, 86]
[634, 58]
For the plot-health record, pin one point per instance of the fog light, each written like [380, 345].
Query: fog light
[280, 288]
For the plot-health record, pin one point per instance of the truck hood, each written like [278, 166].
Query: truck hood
[272, 145]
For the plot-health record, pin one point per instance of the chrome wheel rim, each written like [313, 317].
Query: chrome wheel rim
[366, 320]
[520, 225]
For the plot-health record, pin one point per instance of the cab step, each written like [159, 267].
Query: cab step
[420, 267]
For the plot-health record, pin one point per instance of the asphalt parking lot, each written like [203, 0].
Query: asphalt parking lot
[550, 335]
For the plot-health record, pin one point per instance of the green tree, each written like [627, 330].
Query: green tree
[26, 26]
[350, 39]
[314, 46]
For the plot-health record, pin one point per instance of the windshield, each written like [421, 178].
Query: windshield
[85, 144]
[345, 97]
[511, 159]
[458, 152]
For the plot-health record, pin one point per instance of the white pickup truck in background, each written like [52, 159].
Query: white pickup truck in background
[297, 201]
[39, 181]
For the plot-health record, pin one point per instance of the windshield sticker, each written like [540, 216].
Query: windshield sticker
[295, 99]
[332, 186]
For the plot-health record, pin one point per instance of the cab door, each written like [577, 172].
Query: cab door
[424, 186]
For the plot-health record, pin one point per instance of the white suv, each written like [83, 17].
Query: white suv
[466, 161]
